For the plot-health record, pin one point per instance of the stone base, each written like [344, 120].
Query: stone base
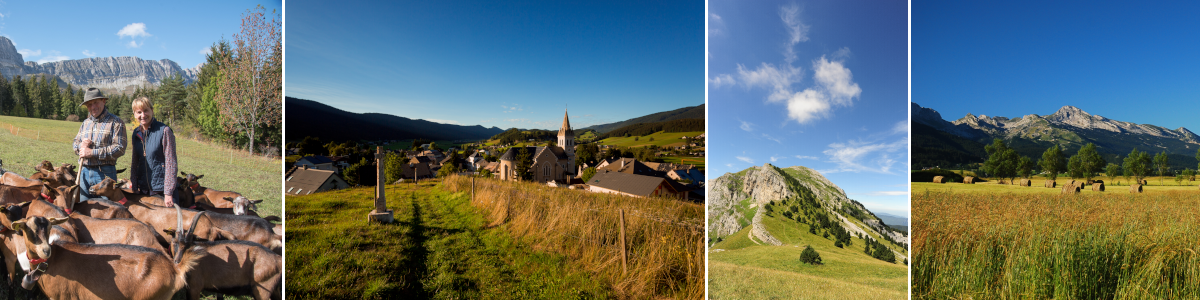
[381, 217]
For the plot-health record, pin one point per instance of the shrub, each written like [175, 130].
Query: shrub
[810, 256]
[838, 244]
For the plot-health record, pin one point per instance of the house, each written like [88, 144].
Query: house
[636, 185]
[304, 181]
[414, 169]
[629, 166]
[546, 163]
[315, 162]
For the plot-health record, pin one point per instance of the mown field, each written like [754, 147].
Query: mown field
[692, 160]
[998, 244]
[1118, 185]
[224, 168]
[662, 139]
[745, 269]
[439, 248]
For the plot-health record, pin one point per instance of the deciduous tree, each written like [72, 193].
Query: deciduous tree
[250, 94]
[1137, 165]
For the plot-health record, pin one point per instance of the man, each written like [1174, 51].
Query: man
[100, 141]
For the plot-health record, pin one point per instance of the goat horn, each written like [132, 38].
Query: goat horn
[195, 220]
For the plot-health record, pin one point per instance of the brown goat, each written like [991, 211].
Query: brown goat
[206, 195]
[245, 228]
[241, 207]
[69, 270]
[86, 229]
[67, 198]
[232, 267]
[17, 189]
[160, 217]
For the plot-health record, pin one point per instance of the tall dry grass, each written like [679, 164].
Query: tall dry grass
[663, 236]
[1086, 246]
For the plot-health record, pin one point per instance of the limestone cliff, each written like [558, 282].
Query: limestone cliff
[110, 73]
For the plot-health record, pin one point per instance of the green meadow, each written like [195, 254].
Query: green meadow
[662, 139]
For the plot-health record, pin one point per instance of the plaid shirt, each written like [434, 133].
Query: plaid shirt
[108, 139]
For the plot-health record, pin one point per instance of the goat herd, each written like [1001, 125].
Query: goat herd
[133, 247]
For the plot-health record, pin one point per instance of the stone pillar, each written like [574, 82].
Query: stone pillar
[381, 213]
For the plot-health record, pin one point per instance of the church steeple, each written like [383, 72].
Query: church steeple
[566, 140]
[566, 127]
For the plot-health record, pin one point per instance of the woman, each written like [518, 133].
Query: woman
[153, 168]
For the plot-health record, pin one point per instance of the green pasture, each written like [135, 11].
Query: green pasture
[746, 269]
[661, 139]
[224, 168]
[1115, 185]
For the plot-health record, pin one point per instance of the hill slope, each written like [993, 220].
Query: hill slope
[762, 218]
[311, 118]
[693, 112]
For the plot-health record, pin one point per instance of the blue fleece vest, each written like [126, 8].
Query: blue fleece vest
[153, 166]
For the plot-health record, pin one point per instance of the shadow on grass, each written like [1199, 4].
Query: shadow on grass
[414, 267]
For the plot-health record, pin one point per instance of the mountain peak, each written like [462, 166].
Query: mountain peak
[1068, 111]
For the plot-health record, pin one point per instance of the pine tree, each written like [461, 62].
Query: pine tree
[810, 256]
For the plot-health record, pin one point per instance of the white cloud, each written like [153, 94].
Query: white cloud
[135, 44]
[716, 26]
[747, 126]
[746, 159]
[722, 80]
[134, 30]
[805, 157]
[29, 53]
[769, 137]
[842, 53]
[88, 53]
[777, 158]
[206, 51]
[807, 106]
[778, 79]
[729, 165]
[900, 127]
[53, 56]
[797, 31]
[857, 156]
[837, 80]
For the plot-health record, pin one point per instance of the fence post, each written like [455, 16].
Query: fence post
[624, 254]
[472, 189]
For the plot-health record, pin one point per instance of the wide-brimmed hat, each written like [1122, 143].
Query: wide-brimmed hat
[92, 94]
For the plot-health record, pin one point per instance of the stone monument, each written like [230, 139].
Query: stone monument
[381, 213]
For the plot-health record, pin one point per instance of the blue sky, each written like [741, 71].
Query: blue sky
[496, 63]
[1134, 62]
[820, 84]
[177, 30]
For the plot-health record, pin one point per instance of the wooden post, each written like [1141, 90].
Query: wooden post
[624, 254]
[472, 188]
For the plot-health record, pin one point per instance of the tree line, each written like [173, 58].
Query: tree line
[236, 98]
[1086, 164]
[644, 129]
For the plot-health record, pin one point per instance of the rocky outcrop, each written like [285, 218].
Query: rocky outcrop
[1067, 119]
[724, 194]
[114, 73]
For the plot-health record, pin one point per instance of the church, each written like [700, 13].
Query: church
[547, 163]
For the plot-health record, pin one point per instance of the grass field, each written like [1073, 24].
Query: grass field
[224, 168]
[662, 139]
[744, 269]
[439, 248]
[1118, 185]
[663, 236]
[997, 243]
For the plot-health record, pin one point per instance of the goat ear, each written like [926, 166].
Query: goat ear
[18, 224]
[255, 201]
[56, 221]
[181, 173]
[169, 231]
[199, 176]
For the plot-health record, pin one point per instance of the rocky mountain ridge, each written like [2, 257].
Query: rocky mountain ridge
[733, 194]
[109, 73]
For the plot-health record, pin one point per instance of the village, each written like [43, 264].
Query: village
[567, 161]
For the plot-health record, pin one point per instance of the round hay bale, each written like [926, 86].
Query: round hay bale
[1097, 181]
[1135, 189]
[1144, 182]
[1051, 183]
[1098, 187]
[1070, 189]
[939, 179]
[1026, 182]
[969, 180]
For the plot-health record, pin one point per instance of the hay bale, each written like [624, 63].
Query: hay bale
[1098, 187]
[1097, 181]
[1070, 189]
[1135, 189]
[939, 179]
[1026, 182]
[1144, 182]
[969, 180]
[1051, 183]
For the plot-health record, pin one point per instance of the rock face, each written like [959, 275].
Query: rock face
[114, 73]
[732, 194]
[1068, 119]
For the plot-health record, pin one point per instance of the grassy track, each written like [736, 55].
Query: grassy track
[743, 269]
[1001, 245]
[663, 139]
[224, 168]
[440, 248]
